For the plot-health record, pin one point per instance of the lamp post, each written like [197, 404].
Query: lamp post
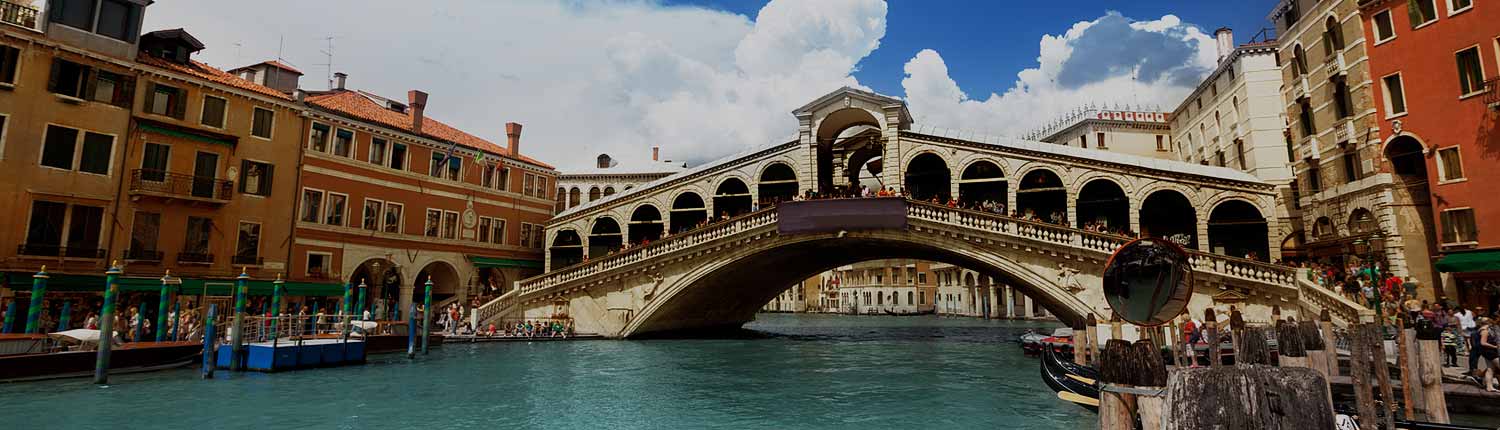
[376, 276]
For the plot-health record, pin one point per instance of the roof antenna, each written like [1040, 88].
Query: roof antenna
[329, 65]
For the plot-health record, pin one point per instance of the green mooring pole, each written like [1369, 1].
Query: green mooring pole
[237, 337]
[161, 306]
[348, 297]
[38, 290]
[426, 314]
[107, 323]
[411, 332]
[276, 303]
[65, 319]
[359, 308]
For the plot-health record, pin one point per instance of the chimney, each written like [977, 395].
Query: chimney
[513, 138]
[656, 153]
[416, 102]
[338, 80]
[1224, 37]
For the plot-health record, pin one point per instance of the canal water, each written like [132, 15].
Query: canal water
[784, 371]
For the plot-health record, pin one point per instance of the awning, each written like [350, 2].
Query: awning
[213, 287]
[1473, 261]
[488, 262]
[184, 132]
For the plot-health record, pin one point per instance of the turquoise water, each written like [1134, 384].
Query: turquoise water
[788, 371]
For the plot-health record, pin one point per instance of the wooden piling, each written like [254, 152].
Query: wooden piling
[1382, 371]
[1362, 338]
[1430, 365]
[1080, 350]
[1117, 367]
[1246, 397]
[1211, 336]
[1405, 340]
[1291, 351]
[1330, 342]
[1116, 327]
[1236, 332]
[1256, 349]
[1091, 339]
[1152, 375]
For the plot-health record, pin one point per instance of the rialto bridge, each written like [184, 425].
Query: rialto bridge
[707, 247]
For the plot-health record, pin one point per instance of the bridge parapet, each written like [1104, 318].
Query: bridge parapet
[1314, 296]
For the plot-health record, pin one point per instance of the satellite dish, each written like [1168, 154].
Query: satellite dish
[1148, 281]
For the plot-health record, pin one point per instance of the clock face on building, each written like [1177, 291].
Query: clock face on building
[470, 219]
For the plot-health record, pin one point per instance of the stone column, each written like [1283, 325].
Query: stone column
[1071, 201]
[994, 294]
[1202, 233]
[1030, 309]
[1135, 216]
[405, 291]
[1010, 299]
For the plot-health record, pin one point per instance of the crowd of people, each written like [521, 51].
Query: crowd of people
[548, 328]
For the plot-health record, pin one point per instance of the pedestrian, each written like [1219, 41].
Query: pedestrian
[1466, 326]
[1489, 349]
[1451, 340]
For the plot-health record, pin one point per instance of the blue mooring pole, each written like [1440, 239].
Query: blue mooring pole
[236, 352]
[209, 361]
[411, 332]
[426, 314]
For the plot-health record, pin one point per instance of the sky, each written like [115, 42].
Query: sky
[703, 79]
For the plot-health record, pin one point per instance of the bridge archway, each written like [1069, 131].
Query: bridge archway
[1041, 194]
[1237, 228]
[645, 224]
[605, 237]
[731, 198]
[382, 284]
[831, 132]
[982, 181]
[1102, 202]
[727, 292]
[927, 177]
[1166, 213]
[687, 211]
[445, 281]
[778, 183]
[566, 249]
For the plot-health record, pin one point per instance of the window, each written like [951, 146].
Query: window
[247, 247]
[541, 187]
[1289, 18]
[536, 236]
[398, 156]
[255, 177]
[318, 264]
[336, 204]
[1395, 95]
[74, 13]
[312, 205]
[1161, 143]
[1239, 150]
[377, 150]
[370, 217]
[166, 101]
[1299, 61]
[1100, 143]
[454, 167]
[113, 88]
[1470, 72]
[497, 231]
[1384, 30]
[1458, 226]
[392, 217]
[502, 178]
[525, 235]
[44, 234]
[68, 78]
[213, 111]
[1219, 157]
[528, 181]
[84, 224]
[1314, 178]
[1083, 141]
[264, 123]
[1351, 162]
[484, 229]
[1341, 103]
[434, 223]
[117, 19]
[154, 162]
[1450, 165]
[1305, 117]
[435, 167]
[318, 141]
[1456, 6]
[487, 179]
[1333, 37]
[343, 140]
[144, 232]
[10, 59]
[60, 149]
[1421, 12]
[198, 231]
[450, 225]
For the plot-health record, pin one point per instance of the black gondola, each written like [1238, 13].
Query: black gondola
[1055, 373]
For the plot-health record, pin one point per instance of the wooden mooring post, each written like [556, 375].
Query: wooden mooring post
[1430, 368]
[1118, 369]
[1290, 350]
[1405, 346]
[1211, 336]
[1246, 397]
[1091, 339]
[1151, 376]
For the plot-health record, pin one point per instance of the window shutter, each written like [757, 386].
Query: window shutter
[1413, 13]
[125, 92]
[150, 97]
[265, 180]
[54, 77]
[179, 104]
[90, 84]
[244, 172]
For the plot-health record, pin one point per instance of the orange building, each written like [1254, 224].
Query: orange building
[1434, 64]
[383, 204]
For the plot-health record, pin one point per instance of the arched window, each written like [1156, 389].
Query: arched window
[1299, 61]
[574, 197]
[609, 191]
[927, 178]
[594, 194]
[1333, 37]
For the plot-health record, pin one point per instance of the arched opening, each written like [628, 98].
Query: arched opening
[1170, 215]
[1292, 247]
[1361, 222]
[609, 191]
[832, 137]
[645, 224]
[562, 201]
[778, 183]
[594, 193]
[574, 197]
[688, 211]
[566, 249]
[927, 178]
[492, 283]
[983, 184]
[1323, 229]
[864, 162]
[445, 282]
[605, 237]
[1102, 206]
[731, 198]
[1041, 197]
[382, 282]
[1408, 161]
[1236, 228]
[1299, 61]
[1333, 37]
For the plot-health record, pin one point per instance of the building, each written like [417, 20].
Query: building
[390, 198]
[964, 292]
[1235, 118]
[802, 297]
[610, 175]
[902, 287]
[1351, 206]
[1122, 130]
[1433, 70]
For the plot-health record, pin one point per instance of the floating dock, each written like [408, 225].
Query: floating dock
[292, 355]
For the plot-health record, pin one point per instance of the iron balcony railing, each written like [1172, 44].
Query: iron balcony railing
[40, 250]
[195, 257]
[175, 184]
[246, 260]
[1492, 92]
[18, 14]
[142, 255]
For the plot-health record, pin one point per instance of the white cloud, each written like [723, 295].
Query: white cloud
[1110, 60]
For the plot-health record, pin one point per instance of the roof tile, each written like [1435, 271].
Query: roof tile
[204, 71]
[358, 106]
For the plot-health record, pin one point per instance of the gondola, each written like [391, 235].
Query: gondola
[1055, 372]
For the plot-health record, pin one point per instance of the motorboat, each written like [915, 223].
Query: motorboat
[1061, 341]
[72, 353]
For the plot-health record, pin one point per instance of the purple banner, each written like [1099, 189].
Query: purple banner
[830, 216]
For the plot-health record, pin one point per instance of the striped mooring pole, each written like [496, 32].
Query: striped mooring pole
[411, 332]
[359, 308]
[38, 290]
[348, 298]
[107, 323]
[209, 350]
[237, 337]
[66, 318]
[276, 303]
[426, 313]
[161, 306]
[10, 317]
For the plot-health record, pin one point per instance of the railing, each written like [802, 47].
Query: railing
[1337, 305]
[1492, 92]
[58, 251]
[245, 260]
[141, 255]
[174, 184]
[195, 257]
[18, 14]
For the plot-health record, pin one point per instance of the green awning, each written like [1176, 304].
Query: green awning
[190, 286]
[487, 262]
[1473, 261]
[198, 136]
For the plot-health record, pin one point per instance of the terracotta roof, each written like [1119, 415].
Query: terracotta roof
[359, 106]
[272, 63]
[212, 74]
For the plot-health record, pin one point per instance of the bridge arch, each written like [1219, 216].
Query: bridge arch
[566, 249]
[928, 176]
[777, 183]
[646, 223]
[688, 210]
[983, 180]
[1041, 193]
[605, 236]
[830, 128]
[1170, 214]
[1102, 201]
[731, 197]
[727, 291]
[1237, 228]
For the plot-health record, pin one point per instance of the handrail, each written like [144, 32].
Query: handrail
[1336, 304]
[1492, 91]
[158, 181]
[18, 14]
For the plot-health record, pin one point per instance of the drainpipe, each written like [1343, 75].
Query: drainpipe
[291, 233]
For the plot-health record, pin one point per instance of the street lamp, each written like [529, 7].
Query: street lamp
[377, 278]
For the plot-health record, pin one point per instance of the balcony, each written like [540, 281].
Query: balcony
[19, 15]
[144, 256]
[1492, 93]
[38, 250]
[194, 258]
[246, 260]
[167, 185]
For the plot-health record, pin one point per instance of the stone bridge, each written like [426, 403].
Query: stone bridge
[707, 247]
